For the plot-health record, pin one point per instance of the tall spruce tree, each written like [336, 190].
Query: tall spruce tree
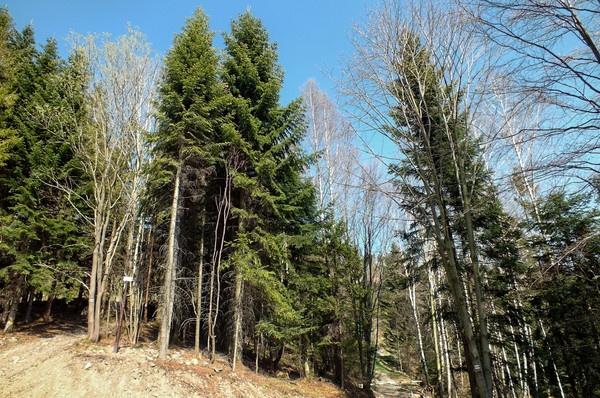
[439, 180]
[271, 199]
[8, 136]
[190, 115]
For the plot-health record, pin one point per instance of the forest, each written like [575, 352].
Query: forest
[436, 217]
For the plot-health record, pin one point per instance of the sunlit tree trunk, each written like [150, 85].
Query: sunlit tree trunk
[171, 270]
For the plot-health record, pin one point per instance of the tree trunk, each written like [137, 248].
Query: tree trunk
[120, 318]
[435, 331]
[149, 273]
[12, 315]
[96, 259]
[447, 252]
[237, 316]
[199, 288]
[479, 300]
[412, 296]
[97, 278]
[257, 347]
[170, 272]
[47, 316]
[278, 357]
[14, 306]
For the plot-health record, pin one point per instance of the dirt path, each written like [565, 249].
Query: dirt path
[385, 386]
[60, 363]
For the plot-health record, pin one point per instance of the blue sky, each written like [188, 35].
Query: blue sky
[313, 36]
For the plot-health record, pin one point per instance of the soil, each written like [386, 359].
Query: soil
[56, 360]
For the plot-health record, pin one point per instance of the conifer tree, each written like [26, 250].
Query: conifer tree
[272, 200]
[439, 180]
[191, 103]
[40, 230]
[8, 137]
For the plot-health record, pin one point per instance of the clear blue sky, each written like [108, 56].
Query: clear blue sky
[312, 35]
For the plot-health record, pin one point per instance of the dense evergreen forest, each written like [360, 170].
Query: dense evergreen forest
[440, 221]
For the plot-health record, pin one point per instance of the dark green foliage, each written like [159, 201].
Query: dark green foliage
[565, 244]
[272, 202]
[41, 233]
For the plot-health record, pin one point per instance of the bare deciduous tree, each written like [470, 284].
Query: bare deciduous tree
[110, 146]
[550, 60]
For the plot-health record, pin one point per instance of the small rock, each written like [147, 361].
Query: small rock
[87, 365]
[152, 364]
[16, 359]
[195, 361]
[217, 370]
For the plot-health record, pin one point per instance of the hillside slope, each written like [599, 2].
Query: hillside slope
[58, 362]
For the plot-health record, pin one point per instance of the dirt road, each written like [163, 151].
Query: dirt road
[60, 363]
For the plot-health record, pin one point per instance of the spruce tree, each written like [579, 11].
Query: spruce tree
[563, 305]
[8, 136]
[271, 199]
[439, 180]
[42, 245]
[190, 118]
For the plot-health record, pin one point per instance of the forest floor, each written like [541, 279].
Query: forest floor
[55, 360]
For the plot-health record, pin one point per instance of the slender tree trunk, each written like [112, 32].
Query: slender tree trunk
[135, 292]
[149, 272]
[554, 368]
[96, 259]
[120, 318]
[213, 303]
[412, 296]
[210, 331]
[435, 331]
[12, 315]
[444, 241]
[103, 269]
[170, 272]
[199, 288]
[479, 300]
[445, 349]
[237, 316]
[257, 347]
[458, 351]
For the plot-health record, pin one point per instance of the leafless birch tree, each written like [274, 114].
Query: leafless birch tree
[110, 146]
